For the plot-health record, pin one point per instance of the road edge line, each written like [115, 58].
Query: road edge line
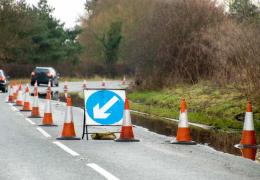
[29, 120]
[43, 132]
[102, 171]
[66, 148]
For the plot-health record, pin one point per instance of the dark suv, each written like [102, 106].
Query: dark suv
[43, 75]
[3, 81]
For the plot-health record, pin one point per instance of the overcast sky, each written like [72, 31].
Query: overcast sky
[67, 11]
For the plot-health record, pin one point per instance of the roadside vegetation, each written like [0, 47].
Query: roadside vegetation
[173, 47]
[195, 49]
[30, 36]
[163, 43]
[221, 108]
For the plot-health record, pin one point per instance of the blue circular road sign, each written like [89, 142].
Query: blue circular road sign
[105, 107]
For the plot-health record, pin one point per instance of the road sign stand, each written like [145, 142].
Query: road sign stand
[86, 126]
[85, 130]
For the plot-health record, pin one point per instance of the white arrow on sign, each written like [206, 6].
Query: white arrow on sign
[100, 113]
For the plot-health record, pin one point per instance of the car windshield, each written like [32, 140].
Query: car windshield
[42, 70]
[1, 73]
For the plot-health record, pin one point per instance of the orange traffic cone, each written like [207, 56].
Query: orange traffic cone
[11, 94]
[127, 134]
[19, 101]
[47, 118]
[26, 104]
[103, 84]
[14, 92]
[248, 146]
[68, 131]
[124, 81]
[49, 87]
[35, 106]
[84, 86]
[65, 88]
[249, 153]
[183, 132]
[248, 134]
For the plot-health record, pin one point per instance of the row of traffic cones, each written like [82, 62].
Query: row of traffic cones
[126, 133]
[15, 95]
[103, 84]
[68, 131]
[247, 144]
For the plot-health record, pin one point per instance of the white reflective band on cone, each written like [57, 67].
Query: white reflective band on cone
[35, 101]
[19, 98]
[26, 97]
[68, 115]
[248, 124]
[127, 118]
[10, 91]
[183, 120]
[47, 106]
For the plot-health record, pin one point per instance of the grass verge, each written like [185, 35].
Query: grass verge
[222, 108]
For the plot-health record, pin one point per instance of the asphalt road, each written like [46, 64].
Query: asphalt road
[27, 152]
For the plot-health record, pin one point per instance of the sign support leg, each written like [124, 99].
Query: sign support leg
[84, 125]
[87, 131]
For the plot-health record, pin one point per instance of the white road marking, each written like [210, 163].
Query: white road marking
[43, 132]
[65, 148]
[29, 120]
[102, 171]
[14, 108]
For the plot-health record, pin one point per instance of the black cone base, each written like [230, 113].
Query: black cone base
[34, 117]
[9, 102]
[48, 125]
[25, 110]
[17, 105]
[184, 142]
[68, 138]
[127, 140]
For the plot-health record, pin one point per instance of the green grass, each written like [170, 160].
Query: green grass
[207, 104]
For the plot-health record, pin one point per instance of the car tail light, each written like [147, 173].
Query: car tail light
[2, 78]
[49, 74]
[33, 74]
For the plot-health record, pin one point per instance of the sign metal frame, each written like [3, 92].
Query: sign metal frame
[85, 126]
